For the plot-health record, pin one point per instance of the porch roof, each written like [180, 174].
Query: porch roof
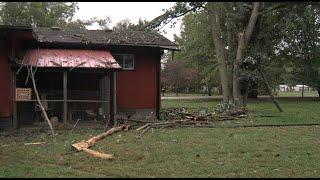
[71, 58]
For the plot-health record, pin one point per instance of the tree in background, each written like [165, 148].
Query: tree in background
[240, 30]
[197, 53]
[300, 44]
[173, 76]
[45, 14]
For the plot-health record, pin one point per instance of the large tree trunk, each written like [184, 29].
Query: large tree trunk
[218, 43]
[209, 90]
[243, 39]
[236, 81]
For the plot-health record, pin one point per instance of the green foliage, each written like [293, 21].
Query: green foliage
[37, 13]
[197, 52]
[299, 45]
[45, 14]
[224, 107]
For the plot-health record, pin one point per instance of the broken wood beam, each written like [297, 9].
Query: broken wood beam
[98, 154]
[85, 145]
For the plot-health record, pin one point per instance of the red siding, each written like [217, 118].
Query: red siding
[136, 89]
[5, 83]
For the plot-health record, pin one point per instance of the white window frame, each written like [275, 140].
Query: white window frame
[123, 60]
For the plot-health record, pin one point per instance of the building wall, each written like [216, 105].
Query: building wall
[137, 89]
[5, 82]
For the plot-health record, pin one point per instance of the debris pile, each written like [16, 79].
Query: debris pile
[180, 117]
[174, 117]
[204, 114]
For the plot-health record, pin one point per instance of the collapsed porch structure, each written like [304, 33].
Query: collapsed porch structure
[80, 74]
[73, 84]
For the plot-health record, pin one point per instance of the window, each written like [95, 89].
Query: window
[126, 61]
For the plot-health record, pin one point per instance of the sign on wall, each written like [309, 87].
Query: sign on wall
[23, 94]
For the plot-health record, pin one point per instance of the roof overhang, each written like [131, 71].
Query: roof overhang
[69, 58]
[26, 28]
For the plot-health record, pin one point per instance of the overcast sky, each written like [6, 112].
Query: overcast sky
[118, 11]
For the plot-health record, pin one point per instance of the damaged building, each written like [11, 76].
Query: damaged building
[79, 74]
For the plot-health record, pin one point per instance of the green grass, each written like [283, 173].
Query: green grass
[295, 112]
[184, 94]
[298, 94]
[186, 152]
[279, 94]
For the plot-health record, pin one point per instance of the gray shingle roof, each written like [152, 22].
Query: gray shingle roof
[104, 37]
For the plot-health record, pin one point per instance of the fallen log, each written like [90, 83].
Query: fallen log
[94, 139]
[85, 145]
[98, 154]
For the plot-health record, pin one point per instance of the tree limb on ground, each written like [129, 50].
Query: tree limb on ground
[85, 145]
[39, 101]
[176, 123]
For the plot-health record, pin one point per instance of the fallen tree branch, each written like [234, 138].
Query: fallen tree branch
[176, 123]
[35, 143]
[39, 101]
[85, 145]
[98, 154]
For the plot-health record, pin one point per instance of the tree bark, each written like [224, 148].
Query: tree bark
[243, 40]
[218, 43]
[236, 81]
[209, 90]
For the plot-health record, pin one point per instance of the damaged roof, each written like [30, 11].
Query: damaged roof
[71, 58]
[104, 37]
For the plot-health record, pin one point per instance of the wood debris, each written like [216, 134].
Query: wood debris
[35, 143]
[85, 145]
[176, 123]
[179, 117]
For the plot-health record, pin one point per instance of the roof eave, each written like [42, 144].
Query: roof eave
[167, 47]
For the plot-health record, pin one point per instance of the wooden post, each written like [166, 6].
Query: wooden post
[104, 94]
[65, 105]
[158, 71]
[14, 104]
[113, 98]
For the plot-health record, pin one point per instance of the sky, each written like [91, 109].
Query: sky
[118, 11]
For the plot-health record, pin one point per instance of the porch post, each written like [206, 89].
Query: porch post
[113, 101]
[14, 108]
[65, 105]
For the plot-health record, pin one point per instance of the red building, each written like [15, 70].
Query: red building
[79, 74]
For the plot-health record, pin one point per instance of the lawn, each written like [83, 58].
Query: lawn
[298, 94]
[186, 152]
[169, 94]
[278, 94]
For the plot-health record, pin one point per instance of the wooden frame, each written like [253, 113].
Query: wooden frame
[14, 103]
[113, 103]
[65, 100]
[65, 94]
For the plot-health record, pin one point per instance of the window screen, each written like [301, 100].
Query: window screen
[126, 61]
